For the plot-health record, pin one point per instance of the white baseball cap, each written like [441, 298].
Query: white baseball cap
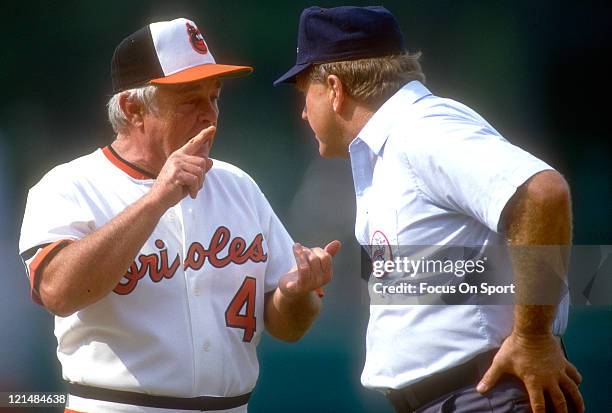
[169, 52]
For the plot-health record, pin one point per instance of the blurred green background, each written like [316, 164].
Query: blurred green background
[535, 70]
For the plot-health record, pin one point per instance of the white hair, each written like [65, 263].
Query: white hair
[144, 95]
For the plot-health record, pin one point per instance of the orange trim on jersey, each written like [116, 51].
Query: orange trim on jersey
[71, 411]
[131, 170]
[39, 261]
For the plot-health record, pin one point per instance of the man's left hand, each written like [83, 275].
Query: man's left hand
[540, 364]
[313, 269]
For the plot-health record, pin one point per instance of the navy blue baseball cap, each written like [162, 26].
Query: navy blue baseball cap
[344, 33]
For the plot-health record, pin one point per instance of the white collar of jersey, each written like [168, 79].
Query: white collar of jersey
[377, 129]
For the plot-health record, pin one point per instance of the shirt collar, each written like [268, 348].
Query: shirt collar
[127, 167]
[377, 129]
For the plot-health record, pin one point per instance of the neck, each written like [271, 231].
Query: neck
[137, 149]
[355, 120]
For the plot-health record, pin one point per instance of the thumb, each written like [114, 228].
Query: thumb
[490, 378]
[195, 144]
[333, 247]
[209, 164]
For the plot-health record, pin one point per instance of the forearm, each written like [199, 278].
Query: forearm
[288, 318]
[87, 270]
[539, 234]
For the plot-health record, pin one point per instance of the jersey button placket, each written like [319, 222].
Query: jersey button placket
[179, 218]
[195, 283]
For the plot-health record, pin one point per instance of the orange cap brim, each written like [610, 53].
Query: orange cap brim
[201, 72]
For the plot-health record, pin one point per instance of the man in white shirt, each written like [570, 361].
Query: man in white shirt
[161, 266]
[430, 171]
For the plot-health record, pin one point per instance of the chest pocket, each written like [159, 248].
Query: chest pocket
[382, 226]
[377, 215]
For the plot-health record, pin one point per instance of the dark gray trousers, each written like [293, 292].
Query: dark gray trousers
[508, 396]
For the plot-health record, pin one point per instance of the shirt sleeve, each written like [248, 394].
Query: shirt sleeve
[280, 252]
[53, 218]
[463, 164]
[278, 240]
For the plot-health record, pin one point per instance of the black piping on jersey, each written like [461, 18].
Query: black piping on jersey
[131, 165]
[26, 255]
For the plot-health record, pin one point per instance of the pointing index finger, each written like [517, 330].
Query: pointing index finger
[195, 144]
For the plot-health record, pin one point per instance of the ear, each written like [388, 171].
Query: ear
[133, 111]
[337, 94]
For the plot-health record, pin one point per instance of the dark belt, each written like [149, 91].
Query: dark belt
[417, 395]
[201, 403]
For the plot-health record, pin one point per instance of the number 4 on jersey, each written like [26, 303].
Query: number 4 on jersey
[245, 297]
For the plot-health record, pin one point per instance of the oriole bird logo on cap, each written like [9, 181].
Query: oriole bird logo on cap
[196, 39]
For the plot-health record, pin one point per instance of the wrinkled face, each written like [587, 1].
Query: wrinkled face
[183, 111]
[318, 112]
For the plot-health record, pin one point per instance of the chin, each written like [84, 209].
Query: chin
[327, 152]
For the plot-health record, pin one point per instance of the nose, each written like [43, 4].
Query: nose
[208, 112]
[304, 113]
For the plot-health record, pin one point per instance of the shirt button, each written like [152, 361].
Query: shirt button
[206, 346]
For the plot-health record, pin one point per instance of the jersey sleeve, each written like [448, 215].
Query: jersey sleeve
[465, 165]
[54, 216]
[280, 252]
[278, 240]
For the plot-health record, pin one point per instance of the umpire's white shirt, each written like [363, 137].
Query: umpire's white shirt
[431, 171]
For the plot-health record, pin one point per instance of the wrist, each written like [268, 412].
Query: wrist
[532, 337]
[292, 298]
[533, 320]
[153, 204]
[304, 304]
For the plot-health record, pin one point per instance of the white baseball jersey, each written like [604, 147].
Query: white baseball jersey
[185, 319]
[430, 171]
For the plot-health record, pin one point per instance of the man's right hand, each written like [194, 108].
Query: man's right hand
[184, 171]
[87, 270]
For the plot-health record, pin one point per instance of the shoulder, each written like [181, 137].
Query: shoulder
[67, 176]
[226, 172]
[228, 180]
[227, 169]
[414, 108]
[438, 124]
[440, 114]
